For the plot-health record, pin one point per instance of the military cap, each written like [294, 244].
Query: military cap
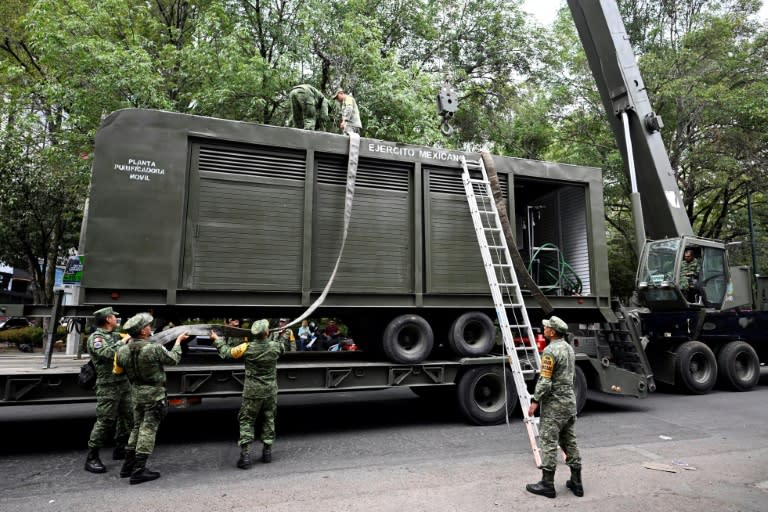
[104, 313]
[260, 326]
[557, 324]
[338, 91]
[137, 322]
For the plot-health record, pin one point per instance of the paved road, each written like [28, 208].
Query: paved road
[391, 451]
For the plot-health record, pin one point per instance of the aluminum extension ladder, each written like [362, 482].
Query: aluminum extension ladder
[524, 356]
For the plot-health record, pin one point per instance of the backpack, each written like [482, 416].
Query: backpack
[87, 377]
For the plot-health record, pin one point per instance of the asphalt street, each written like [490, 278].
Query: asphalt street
[393, 451]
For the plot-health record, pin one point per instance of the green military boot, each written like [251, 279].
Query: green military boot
[266, 453]
[130, 459]
[546, 487]
[140, 472]
[93, 462]
[574, 483]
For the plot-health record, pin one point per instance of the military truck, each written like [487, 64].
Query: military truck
[194, 217]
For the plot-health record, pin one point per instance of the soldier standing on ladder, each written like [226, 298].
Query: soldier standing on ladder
[554, 391]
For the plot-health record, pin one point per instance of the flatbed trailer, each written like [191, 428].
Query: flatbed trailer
[484, 397]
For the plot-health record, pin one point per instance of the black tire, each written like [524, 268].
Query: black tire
[695, 368]
[472, 334]
[482, 397]
[738, 366]
[579, 388]
[408, 339]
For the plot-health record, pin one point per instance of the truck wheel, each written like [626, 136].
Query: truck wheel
[579, 388]
[482, 396]
[407, 339]
[695, 368]
[472, 334]
[739, 366]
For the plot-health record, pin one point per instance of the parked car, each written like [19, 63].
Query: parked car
[14, 323]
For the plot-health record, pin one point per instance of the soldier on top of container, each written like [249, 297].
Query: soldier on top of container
[554, 391]
[259, 389]
[114, 408]
[143, 362]
[309, 108]
[350, 114]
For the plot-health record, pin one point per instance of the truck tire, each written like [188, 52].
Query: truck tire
[579, 388]
[487, 395]
[738, 366]
[695, 368]
[407, 339]
[472, 334]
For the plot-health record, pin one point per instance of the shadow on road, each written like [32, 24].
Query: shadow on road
[63, 428]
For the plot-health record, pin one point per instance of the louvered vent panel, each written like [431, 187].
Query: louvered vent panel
[253, 161]
[448, 181]
[378, 174]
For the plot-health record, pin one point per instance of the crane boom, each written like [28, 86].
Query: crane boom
[622, 90]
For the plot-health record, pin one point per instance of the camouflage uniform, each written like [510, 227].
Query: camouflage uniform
[350, 114]
[114, 409]
[555, 395]
[142, 361]
[309, 108]
[260, 387]
[231, 340]
[554, 391]
[689, 277]
[286, 337]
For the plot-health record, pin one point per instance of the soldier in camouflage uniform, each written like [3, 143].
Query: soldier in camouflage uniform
[284, 335]
[554, 391]
[114, 410]
[350, 114]
[259, 389]
[689, 275]
[143, 362]
[309, 108]
[234, 341]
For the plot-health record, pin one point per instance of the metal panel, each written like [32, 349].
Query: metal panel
[247, 198]
[454, 262]
[574, 229]
[378, 255]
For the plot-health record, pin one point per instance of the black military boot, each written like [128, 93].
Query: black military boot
[93, 462]
[244, 462]
[130, 459]
[574, 484]
[140, 472]
[546, 487]
[266, 454]
[119, 452]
